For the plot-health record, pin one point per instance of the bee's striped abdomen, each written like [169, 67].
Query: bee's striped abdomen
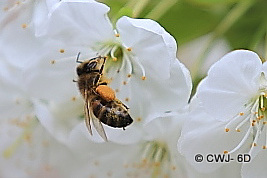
[110, 113]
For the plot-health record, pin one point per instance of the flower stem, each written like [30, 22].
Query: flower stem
[139, 6]
[265, 50]
[161, 8]
[222, 27]
[257, 37]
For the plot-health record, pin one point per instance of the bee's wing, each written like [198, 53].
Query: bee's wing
[98, 126]
[87, 113]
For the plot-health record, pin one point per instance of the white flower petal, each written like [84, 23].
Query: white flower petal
[256, 167]
[17, 41]
[204, 135]
[150, 43]
[230, 84]
[83, 23]
[150, 98]
[58, 125]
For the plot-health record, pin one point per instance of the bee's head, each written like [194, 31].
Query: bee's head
[90, 66]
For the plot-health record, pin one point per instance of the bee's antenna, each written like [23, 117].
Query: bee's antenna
[77, 59]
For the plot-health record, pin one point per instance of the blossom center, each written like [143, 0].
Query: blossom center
[256, 115]
[155, 159]
[121, 59]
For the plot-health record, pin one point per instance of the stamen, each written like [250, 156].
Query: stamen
[141, 67]
[243, 122]
[256, 138]
[117, 35]
[242, 141]
[112, 51]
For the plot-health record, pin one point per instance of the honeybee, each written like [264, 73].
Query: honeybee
[101, 104]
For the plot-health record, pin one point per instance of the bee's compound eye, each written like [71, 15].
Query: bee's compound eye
[79, 71]
[90, 66]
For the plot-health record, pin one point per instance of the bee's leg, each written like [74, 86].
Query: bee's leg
[100, 72]
[103, 83]
[118, 101]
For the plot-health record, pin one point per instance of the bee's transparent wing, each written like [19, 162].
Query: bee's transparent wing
[87, 113]
[98, 126]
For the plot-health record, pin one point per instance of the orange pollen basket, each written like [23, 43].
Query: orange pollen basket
[106, 92]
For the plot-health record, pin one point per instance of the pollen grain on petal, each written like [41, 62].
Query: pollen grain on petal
[124, 82]
[226, 129]
[129, 75]
[129, 49]
[61, 50]
[241, 113]
[139, 119]
[127, 99]
[238, 130]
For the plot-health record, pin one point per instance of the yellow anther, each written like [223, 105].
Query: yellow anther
[264, 122]
[157, 164]
[225, 152]
[114, 59]
[256, 112]
[252, 124]
[226, 129]
[241, 113]
[263, 109]
[5, 9]
[61, 50]
[262, 116]
[138, 119]
[73, 98]
[129, 49]
[129, 75]
[24, 25]
[117, 35]
[143, 77]
[254, 144]
[238, 130]
[264, 147]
